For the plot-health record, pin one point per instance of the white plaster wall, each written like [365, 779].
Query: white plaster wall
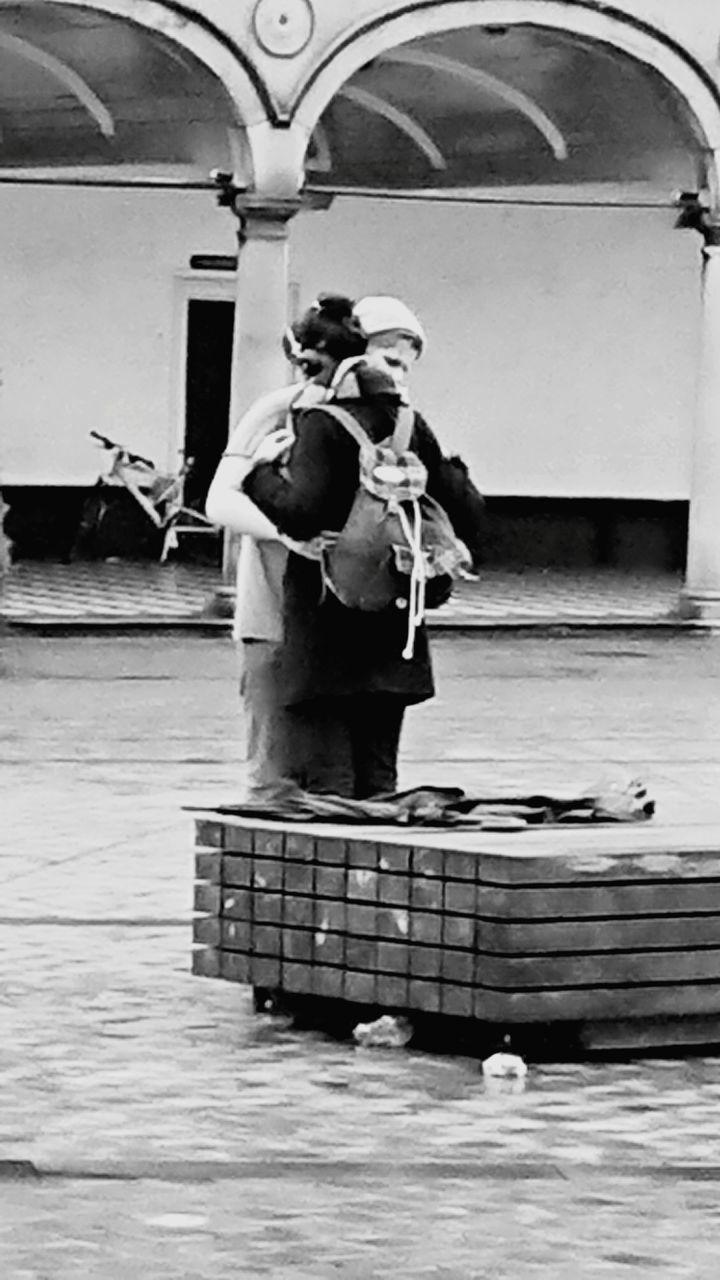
[86, 323]
[562, 344]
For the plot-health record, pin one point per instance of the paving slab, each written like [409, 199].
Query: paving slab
[107, 594]
[205, 1119]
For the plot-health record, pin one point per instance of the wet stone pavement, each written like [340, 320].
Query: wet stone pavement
[181, 1136]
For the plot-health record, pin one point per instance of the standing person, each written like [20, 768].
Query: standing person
[315, 344]
[396, 338]
[342, 672]
[395, 341]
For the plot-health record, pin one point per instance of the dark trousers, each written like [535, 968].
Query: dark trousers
[347, 745]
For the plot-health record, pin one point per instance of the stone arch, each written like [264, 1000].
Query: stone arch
[210, 45]
[628, 34]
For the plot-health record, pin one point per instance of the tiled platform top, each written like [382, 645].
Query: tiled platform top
[649, 849]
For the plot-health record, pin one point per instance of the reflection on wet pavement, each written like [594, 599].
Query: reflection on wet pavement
[223, 1145]
[259, 1146]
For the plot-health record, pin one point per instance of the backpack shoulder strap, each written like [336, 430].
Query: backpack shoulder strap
[400, 439]
[346, 420]
[403, 429]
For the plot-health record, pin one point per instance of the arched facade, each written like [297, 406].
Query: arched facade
[279, 100]
[622, 31]
[209, 42]
[662, 50]
[281, 64]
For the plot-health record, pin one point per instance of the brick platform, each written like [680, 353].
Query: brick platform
[601, 927]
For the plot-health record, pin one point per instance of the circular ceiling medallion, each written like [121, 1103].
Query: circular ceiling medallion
[283, 28]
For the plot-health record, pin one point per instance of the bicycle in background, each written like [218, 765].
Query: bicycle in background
[159, 495]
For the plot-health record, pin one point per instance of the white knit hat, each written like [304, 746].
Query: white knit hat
[380, 314]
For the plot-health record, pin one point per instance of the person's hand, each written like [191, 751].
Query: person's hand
[468, 573]
[275, 444]
[467, 570]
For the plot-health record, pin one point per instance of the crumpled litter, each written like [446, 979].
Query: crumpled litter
[505, 1065]
[387, 1032]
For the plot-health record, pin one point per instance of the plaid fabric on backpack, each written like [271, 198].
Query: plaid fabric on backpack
[396, 537]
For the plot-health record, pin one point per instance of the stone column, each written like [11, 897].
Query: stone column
[701, 593]
[261, 305]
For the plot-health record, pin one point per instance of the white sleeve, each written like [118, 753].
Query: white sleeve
[265, 415]
[226, 505]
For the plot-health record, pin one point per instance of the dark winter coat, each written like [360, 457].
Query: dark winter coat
[329, 650]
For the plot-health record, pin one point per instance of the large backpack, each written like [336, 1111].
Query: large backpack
[396, 538]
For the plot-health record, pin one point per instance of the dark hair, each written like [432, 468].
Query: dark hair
[330, 326]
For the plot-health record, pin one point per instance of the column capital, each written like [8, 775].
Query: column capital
[260, 217]
[698, 213]
[263, 219]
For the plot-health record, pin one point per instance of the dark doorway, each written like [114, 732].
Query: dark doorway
[207, 391]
